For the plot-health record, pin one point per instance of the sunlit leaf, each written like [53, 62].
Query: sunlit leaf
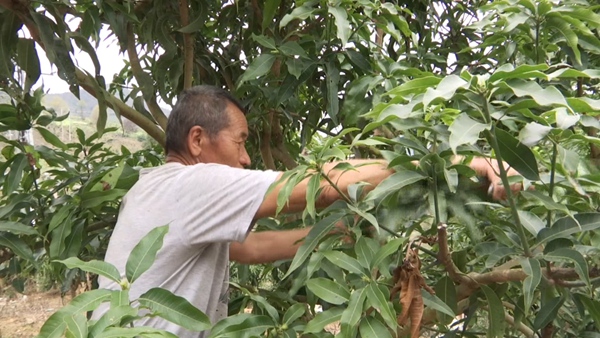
[465, 130]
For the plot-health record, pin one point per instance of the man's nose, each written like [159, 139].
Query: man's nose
[245, 159]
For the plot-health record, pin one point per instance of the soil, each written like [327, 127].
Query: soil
[22, 315]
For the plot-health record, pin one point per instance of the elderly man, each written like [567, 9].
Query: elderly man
[211, 202]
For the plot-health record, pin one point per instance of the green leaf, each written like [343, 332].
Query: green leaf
[567, 226]
[131, 332]
[531, 222]
[547, 313]
[507, 71]
[592, 306]
[517, 155]
[387, 250]
[94, 266]
[13, 180]
[269, 11]
[301, 13]
[312, 194]
[328, 290]
[495, 313]
[379, 301]
[59, 237]
[365, 251]
[543, 96]
[294, 312]
[533, 133]
[393, 183]
[534, 276]
[259, 67]
[322, 319]
[415, 86]
[444, 90]
[434, 302]
[292, 48]
[251, 327]
[545, 200]
[144, 253]
[446, 291]
[318, 231]
[28, 61]
[372, 327]
[344, 261]
[465, 130]
[92, 199]
[174, 309]
[17, 228]
[87, 301]
[365, 215]
[341, 21]
[264, 41]
[54, 326]
[565, 29]
[576, 257]
[51, 138]
[110, 179]
[76, 326]
[17, 246]
[353, 312]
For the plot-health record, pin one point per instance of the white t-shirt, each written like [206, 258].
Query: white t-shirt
[206, 206]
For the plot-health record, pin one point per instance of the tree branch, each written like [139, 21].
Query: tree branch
[265, 143]
[87, 82]
[445, 258]
[188, 46]
[279, 151]
[138, 73]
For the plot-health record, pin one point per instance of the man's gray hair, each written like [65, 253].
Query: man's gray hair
[203, 106]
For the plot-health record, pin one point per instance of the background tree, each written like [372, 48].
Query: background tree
[416, 81]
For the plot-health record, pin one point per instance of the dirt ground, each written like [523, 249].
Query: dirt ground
[22, 316]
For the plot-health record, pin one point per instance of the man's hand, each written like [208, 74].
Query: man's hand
[489, 168]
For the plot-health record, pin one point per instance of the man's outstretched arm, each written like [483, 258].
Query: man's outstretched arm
[267, 246]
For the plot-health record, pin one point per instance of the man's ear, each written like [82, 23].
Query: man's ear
[196, 140]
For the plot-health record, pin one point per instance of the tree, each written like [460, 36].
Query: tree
[417, 81]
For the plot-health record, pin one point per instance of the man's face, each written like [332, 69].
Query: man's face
[229, 146]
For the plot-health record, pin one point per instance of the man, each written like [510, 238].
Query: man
[210, 203]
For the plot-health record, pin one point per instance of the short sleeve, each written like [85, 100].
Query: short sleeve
[219, 202]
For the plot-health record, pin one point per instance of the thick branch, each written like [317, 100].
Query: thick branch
[265, 143]
[139, 75]
[445, 258]
[87, 83]
[188, 46]
[279, 151]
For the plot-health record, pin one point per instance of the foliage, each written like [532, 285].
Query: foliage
[58, 202]
[416, 82]
[121, 312]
